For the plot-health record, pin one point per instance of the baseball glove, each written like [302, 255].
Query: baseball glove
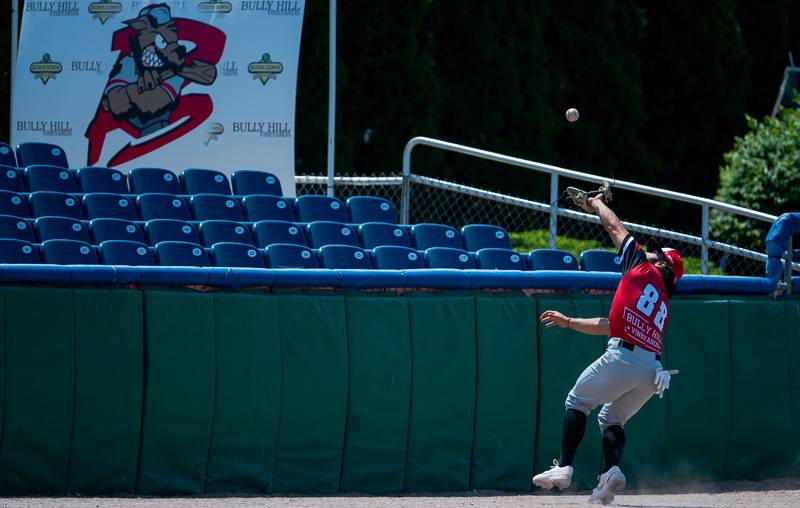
[580, 197]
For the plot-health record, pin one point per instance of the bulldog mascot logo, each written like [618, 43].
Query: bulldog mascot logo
[145, 94]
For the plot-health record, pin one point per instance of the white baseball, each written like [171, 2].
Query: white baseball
[572, 115]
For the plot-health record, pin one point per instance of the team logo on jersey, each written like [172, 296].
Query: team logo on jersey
[104, 10]
[45, 69]
[265, 69]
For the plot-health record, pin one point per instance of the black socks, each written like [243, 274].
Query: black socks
[613, 444]
[571, 435]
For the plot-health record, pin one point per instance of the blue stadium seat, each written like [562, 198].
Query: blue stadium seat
[391, 257]
[263, 207]
[344, 257]
[111, 206]
[216, 231]
[61, 228]
[55, 204]
[11, 179]
[267, 232]
[331, 233]
[484, 236]
[371, 209]
[204, 181]
[68, 252]
[115, 229]
[236, 254]
[162, 206]
[249, 181]
[50, 178]
[215, 207]
[29, 154]
[426, 236]
[315, 208]
[374, 234]
[600, 261]
[7, 156]
[552, 259]
[181, 254]
[18, 251]
[500, 259]
[17, 228]
[123, 252]
[170, 230]
[96, 179]
[153, 180]
[13, 204]
[446, 257]
[283, 255]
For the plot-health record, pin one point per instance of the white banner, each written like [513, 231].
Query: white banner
[176, 84]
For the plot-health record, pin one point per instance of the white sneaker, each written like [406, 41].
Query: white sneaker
[556, 476]
[608, 485]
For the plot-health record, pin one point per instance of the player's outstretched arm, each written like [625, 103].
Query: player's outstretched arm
[589, 326]
[609, 220]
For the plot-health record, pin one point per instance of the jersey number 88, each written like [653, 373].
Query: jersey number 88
[647, 303]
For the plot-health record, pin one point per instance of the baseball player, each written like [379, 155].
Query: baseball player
[630, 371]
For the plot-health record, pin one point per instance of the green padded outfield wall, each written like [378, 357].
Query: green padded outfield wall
[172, 391]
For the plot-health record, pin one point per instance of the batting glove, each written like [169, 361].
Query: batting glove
[662, 382]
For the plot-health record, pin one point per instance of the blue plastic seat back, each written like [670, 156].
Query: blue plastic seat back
[552, 259]
[600, 261]
[11, 179]
[331, 233]
[204, 181]
[18, 251]
[500, 259]
[56, 204]
[284, 255]
[215, 207]
[50, 178]
[17, 228]
[7, 155]
[216, 231]
[112, 206]
[124, 252]
[251, 181]
[68, 252]
[29, 154]
[236, 254]
[162, 206]
[181, 254]
[344, 257]
[484, 236]
[61, 228]
[268, 232]
[153, 180]
[115, 229]
[97, 179]
[425, 236]
[375, 234]
[317, 208]
[391, 257]
[263, 207]
[170, 230]
[13, 204]
[446, 257]
[371, 209]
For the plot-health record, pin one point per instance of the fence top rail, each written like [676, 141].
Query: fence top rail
[577, 175]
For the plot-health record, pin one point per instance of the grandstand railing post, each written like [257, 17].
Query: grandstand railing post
[406, 188]
[553, 209]
[787, 269]
[704, 246]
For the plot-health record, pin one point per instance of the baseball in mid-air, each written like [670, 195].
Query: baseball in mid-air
[572, 115]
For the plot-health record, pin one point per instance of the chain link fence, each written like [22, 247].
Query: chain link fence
[529, 222]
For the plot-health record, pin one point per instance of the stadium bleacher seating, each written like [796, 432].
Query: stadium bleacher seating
[216, 231]
[11, 179]
[236, 254]
[344, 257]
[170, 230]
[50, 178]
[322, 233]
[375, 234]
[16, 228]
[7, 155]
[267, 232]
[29, 154]
[204, 181]
[282, 255]
[12, 203]
[247, 181]
[18, 251]
[426, 236]
[371, 209]
[162, 206]
[447, 257]
[215, 207]
[553, 259]
[124, 252]
[392, 257]
[106, 205]
[153, 180]
[68, 252]
[95, 179]
[319, 208]
[600, 261]
[55, 228]
[105, 229]
[265, 207]
[181, 254]
[500, 259]
[56, 204]
[484, 236]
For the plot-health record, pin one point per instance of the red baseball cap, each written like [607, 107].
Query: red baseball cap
[675, 261]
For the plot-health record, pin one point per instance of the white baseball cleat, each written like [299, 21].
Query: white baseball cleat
[556, 476]
[608, 485]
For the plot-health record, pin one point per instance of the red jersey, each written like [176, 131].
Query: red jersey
[640, 310]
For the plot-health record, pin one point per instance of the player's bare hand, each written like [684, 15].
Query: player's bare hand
[590, 202]
[552, 318]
